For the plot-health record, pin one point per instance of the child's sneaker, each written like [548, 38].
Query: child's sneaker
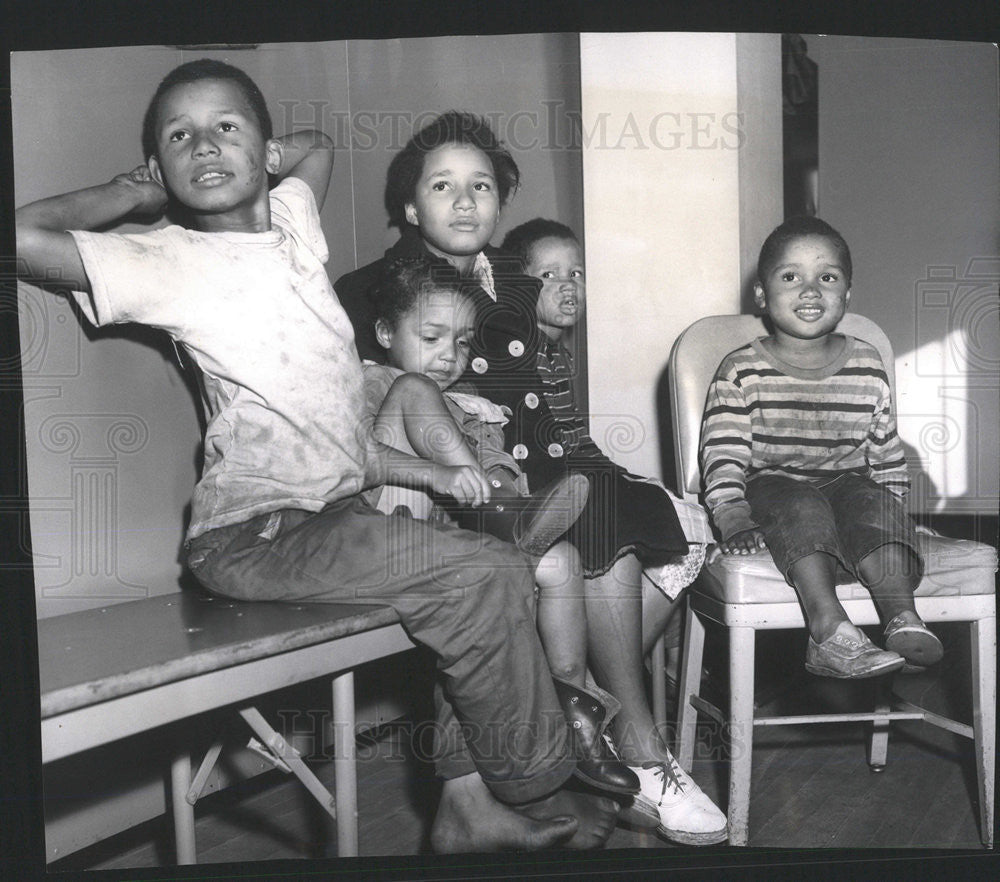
[849, 655]
[686, 814]
[912, 639]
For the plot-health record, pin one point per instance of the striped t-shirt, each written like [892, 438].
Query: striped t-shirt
[556, 371]
[764, 416]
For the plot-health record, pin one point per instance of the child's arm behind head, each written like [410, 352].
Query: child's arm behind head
[309, 156]
[46, 250]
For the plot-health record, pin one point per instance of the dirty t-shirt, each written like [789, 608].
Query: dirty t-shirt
[281, 377]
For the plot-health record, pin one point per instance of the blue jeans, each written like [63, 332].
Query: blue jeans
[467, 597]
[848, 518]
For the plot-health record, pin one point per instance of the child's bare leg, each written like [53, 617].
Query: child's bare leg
[562, 627]
[614, 625]
[414, 418]
[891, 573]
[668, 799]
[562, 614]
[837, 648]
[814, 579]
[659, 613]
[660, 618]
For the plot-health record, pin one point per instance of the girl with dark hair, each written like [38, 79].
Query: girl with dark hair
[445, 191]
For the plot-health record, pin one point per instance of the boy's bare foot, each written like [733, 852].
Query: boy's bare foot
[471, 819]
[597, 815]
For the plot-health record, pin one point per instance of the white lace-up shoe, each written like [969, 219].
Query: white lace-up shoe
[687, 815]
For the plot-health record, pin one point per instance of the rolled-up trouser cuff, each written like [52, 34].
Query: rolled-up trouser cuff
[460, 764]
[536, 787]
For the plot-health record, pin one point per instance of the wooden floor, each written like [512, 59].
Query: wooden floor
[811, 785]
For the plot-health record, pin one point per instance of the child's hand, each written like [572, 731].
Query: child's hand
[744, 542]
[150, 197]
[467, 484]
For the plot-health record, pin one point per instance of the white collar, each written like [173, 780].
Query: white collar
[482, 269]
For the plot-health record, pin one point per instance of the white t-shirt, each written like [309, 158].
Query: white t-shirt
[281, 375]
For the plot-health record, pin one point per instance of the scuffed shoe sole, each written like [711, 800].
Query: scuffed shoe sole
[681, 803]
[683, 838]
[918, 645]
[873, 671]
[848, 654]
[640, 814]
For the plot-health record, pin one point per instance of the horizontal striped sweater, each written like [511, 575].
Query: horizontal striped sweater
[764, 416]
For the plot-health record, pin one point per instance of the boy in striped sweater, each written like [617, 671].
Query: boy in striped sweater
[800, 454]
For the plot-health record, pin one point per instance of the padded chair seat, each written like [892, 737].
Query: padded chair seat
[753, 578]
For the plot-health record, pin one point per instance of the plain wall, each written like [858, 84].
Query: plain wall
[909, 172]
[526, 85]
[682, 166]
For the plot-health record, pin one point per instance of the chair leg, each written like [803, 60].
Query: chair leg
[984, 709]
[741, 685]
[690, 674]
[657, 660]
[878, 742]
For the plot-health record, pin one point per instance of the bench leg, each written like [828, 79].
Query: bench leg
[290, 756]
[345, 765]
[180, 781]
[204, 770]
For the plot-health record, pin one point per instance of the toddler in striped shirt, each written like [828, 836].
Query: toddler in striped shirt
[800, 454]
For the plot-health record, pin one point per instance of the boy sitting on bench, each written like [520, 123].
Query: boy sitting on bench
[277, 513]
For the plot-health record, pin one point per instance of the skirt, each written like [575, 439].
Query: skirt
[624, 514]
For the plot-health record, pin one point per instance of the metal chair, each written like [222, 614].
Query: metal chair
[747, 593]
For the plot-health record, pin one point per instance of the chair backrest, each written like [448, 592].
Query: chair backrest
[693, 361]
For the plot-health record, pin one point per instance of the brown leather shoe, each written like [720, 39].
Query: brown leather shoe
[533, 523]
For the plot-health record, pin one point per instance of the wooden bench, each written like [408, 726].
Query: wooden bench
[120, 670]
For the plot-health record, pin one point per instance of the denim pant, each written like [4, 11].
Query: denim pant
[848, 518]
[467, 597]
